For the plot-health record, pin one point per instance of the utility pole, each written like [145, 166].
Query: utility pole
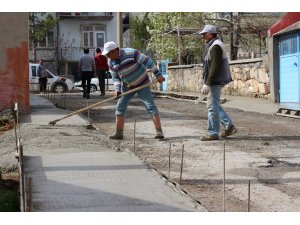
[179, 47]
[33, 37]
[231, 34]
[120, 29]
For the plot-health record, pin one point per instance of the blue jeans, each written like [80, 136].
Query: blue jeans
[216, 114]
[144, 94]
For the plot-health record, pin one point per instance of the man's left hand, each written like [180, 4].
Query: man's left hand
[205, 89]
[161, 79]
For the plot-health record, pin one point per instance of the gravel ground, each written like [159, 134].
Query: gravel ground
[264, 151]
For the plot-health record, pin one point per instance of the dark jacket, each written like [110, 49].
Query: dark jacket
[215, 66]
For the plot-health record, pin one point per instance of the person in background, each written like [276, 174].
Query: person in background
[101, 69]
[129, 70]
[87, 70]
[42, 74]
[216, 74]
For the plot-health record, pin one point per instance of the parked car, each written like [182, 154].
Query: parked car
[57, 84]
[95, 84]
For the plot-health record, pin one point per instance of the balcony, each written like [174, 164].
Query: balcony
[74, 53]
[86, 15]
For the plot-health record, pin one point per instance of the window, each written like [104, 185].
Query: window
[93, 36]
[33, 71]
[288, 44]
[48, 40]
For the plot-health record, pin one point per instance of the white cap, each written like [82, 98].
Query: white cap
[108, 46]
[208, 29]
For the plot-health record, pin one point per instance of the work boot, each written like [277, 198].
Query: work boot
[209, 138]
[159, 133]
[84, 95]
[228, 132]
[118, 135]
[157, 125]
[102, 93]
[88, 96]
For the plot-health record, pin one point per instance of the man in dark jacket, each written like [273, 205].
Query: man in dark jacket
[216, 74]
[42, 74]
[101, 69]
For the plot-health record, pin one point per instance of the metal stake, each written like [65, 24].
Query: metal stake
[30, 195]
[87, 104]
[169, 159]
[134, 128]
[224, 179]
[65, 98]
[248, 195]
[181, 164]
[16, 124]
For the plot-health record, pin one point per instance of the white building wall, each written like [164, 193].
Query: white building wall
[112, 29]
[71, 34]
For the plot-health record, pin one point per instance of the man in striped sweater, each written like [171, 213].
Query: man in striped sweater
[129, 70]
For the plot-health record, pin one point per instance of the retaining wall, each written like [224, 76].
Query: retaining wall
[250, 78]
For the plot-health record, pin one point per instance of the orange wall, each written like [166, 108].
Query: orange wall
[14, 81]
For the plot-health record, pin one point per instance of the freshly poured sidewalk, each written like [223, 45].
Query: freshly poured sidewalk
[72, 170]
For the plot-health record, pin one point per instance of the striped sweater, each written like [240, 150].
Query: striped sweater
[131, 68]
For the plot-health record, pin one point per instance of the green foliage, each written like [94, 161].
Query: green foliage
[139, 34]
[151, 34]
[40, 23]
[167, 44]
[9, 200]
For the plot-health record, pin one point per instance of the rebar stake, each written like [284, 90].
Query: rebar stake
[30, 195]
[224, 179]
[248, 195]
[169, 159]
[181, 164]
[134, 128]
[65, 99]
[87, 105]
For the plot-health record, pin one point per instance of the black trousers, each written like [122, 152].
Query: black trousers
[101, 77]
[43, 84]
[86, 77]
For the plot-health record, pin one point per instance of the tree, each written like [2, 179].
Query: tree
[169, 45]
[256, 28]
[243, 30]
[164, 35]
[139, 33]
[40, 24]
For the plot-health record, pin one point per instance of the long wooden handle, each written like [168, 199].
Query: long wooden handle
[101, 102]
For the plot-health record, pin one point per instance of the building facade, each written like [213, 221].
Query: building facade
[64, 44]
[284, 59]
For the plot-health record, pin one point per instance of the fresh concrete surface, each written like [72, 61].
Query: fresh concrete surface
[74, 169]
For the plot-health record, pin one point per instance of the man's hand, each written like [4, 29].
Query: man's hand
[161, 79]
[117, 93]
[205, 89]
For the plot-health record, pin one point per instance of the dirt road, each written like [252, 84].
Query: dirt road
[265, 151]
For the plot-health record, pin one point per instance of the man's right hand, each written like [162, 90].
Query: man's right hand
[117, 94]
[161, 79]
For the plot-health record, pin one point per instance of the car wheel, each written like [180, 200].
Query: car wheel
[59, 88]
[93, 88]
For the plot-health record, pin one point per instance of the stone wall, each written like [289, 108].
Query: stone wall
[250, 78]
